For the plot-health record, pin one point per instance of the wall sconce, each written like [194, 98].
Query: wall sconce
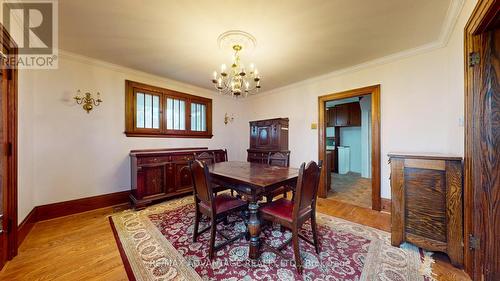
[88, 101]
[228, 118]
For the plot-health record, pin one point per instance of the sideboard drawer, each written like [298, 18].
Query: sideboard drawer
[182, 158]
[153, 160]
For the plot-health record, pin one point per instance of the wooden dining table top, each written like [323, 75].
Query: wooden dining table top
[254, 174]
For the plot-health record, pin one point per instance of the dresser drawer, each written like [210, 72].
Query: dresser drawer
[153, 160]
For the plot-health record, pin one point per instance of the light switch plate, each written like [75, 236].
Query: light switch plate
[314, 126]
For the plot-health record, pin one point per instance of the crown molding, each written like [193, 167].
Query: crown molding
[449, 23]
[172, 84]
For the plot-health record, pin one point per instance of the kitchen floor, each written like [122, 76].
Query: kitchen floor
[351, 188]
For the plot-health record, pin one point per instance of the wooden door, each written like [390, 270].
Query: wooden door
[354, 114]
[264, 136]
[8, 152]
[154, 180]
[183, 179]
[342, 115]
[482, 142]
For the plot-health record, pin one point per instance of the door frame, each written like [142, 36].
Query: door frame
[374, 92]
[9, 143]
[481, 19]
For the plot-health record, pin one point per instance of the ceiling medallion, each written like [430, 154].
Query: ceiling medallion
[237, 81]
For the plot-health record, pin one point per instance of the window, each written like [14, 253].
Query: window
[155, 112]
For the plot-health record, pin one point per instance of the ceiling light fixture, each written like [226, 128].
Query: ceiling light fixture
[237, 81]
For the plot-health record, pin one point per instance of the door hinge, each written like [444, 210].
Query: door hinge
[474, 242]
[474, 59]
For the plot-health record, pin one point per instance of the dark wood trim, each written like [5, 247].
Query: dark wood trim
[26, 225]
[60, 209]
[9, 111]
[374, 91]
[481, 19]
[132, 87]
[385, 205]
[123, 255]
[66, 208]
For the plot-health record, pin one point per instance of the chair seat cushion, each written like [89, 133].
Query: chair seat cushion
[224, 203]
[282, 209]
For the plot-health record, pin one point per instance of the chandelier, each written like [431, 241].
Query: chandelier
[237, 80]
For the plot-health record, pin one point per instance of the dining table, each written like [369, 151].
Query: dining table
[253, 181]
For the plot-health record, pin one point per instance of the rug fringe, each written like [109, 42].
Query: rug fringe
[426, 266]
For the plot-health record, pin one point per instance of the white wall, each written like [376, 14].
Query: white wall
[25, 173]
[66, 153]
[421, 102]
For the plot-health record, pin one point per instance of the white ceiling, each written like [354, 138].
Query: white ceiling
[296, 40]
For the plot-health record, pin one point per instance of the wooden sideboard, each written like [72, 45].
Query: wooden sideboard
[162, 173]
[427, 203]
[270, 135]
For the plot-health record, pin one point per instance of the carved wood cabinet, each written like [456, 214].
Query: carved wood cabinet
[162, 173]
[427, 203]
[270, 135]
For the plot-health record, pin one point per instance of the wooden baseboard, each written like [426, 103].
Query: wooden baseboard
[26, 225]
[61, 209]
[386, 205]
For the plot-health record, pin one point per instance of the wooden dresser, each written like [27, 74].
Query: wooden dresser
[427, 203]
[270, 135]
[162, 173]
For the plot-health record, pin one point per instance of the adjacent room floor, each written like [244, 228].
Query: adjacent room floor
[82, 246]
[351, 188]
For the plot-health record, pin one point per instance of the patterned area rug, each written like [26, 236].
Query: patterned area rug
[156, 244]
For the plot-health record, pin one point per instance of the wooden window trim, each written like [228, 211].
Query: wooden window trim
[131, 130]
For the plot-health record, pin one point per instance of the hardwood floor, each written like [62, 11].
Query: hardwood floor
[82, 246]
[351, 188]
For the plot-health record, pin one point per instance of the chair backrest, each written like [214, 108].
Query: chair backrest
[201, 181]
[307, 187]
[281, 159]
[224, 157]
[205, 157]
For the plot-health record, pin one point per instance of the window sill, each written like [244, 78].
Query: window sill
[185, 136]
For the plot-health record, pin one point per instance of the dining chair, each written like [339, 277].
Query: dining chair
[216, 207]
[281, 159]
[205, 157]
[209, 158]
[224, 156]
[293, 214]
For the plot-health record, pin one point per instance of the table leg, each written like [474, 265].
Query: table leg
[254, 229]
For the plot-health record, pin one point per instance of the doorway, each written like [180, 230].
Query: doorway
[8, 151]
[349, 145]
